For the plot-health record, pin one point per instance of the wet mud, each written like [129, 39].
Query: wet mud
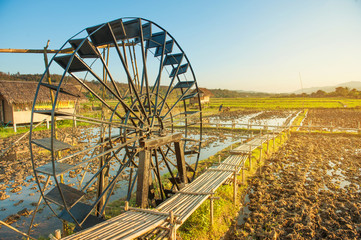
[310, 189]
[344, 118]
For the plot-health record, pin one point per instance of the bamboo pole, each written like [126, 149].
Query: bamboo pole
[235, 187]
[211, 211]
[52, 51]
[24, 135]
[12, 228]
[37, 206]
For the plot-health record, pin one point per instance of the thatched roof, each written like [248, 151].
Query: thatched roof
[204, 92]
[15, 92]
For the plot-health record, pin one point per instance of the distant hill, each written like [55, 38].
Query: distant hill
[350, 85]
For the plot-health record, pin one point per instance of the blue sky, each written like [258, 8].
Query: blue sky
[258, 45]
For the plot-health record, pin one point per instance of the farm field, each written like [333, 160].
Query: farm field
[294, 159]
[310, 189]
[284, 103]
[344, 118]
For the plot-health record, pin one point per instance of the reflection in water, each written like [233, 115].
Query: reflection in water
[47, 222]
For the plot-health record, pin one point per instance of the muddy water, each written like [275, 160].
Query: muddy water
[309, 190]
[46, 222]
[257, 120]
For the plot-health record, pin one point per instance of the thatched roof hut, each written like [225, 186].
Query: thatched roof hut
[204, 95]
[17, 97]
[205, 92]
[20, 92]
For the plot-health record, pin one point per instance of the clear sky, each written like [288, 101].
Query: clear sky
[259, 45]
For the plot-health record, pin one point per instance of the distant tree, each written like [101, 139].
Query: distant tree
[342, 91]
[354, 93]
[319, 93]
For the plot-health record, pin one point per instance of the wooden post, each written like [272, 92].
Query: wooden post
[143, 179]
[235, 186]
[57, 234]
[47, 124]
[260, 158]
[250, 157]
[14, 127]
[260, 153]
[243, 177]
[267, 144]
[211, 210]
[181, 164]
[173, 230]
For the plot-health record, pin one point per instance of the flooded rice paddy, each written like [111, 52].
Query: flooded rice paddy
[19, 198]
[19, 193]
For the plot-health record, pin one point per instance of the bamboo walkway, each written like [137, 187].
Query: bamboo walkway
[173, 212]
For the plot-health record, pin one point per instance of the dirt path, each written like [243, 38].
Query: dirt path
[309, 190]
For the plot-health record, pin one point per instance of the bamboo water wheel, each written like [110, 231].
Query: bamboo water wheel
[145, 103]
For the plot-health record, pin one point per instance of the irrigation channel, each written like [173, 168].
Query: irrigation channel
[20, 205]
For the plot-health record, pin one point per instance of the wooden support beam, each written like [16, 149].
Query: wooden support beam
[181, 163]
[143, 179]
[10, 50]
[64, 51]
[173, 227]
[211, 209]
[161, 141]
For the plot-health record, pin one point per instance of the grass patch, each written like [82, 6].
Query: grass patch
[8, 132]
[272, 103]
